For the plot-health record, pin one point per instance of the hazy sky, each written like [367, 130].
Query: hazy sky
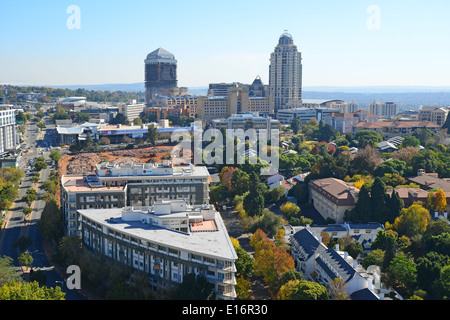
[343, 43]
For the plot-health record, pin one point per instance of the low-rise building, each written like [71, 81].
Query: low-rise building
[390, 129]
[332, 197]
[285, 116]
[166, 241]
[343, 122]
[323, 265]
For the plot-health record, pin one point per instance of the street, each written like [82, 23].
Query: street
[36, 143]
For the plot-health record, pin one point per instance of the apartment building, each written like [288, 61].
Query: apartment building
[132, 184]
[248, 120]
[166, 241]
[437, 115]
[332, 197]
[383, 109]
[187, 104]
[8, 134]
[343, 122]
[312, 257]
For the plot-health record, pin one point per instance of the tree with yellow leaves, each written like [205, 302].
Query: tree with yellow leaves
[412, 221]
[440, 201]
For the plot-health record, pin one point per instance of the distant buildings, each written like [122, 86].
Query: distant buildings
[285, 74]
[285, 116]
[343, 122]
[160, 73]
[132, 111]
[383, 109]
[248, 120]
[437, 115]
[237, 100]
[390, 129]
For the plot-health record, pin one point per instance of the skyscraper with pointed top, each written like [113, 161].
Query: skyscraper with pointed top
[285, 74]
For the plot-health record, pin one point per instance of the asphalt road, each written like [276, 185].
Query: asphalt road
[14, 221]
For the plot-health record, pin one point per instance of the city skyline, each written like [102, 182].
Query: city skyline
[352, 43]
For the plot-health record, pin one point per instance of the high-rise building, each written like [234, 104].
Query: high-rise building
[8, 134]
[285, 74]
[160, 73]
[383, 109]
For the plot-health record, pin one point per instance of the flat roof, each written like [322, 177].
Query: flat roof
[209, 243]
[76, 183]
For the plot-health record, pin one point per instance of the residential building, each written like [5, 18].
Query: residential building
[332, 197]
[132, 184]
[248, 120]
[160, 73]
[437, 115]
[186, 103]
[312, 257]
[166, 241]
[9, 140]
[410, 195]
[285, 73]
[383, 109]
[236, 101]
[343, 122]
[390, 129]
[429, 181]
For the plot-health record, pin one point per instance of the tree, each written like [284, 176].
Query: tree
[308, 290]
[268, 221]
[378, 198]
[412, 220]
[374, 257]
[254, 201]
[277, 193]
[354, 249]
[244, 263]
[39, 165]
[152, 134]
[368, 137]
[394, 206]
[194, 287]
[440, 201]
[29, 291]
[337, 290]
[446, 125]
[362, 212]
[240, 181]
[290, 209]
[366, 160]
[410, 141]
[51, 224]
[55, 155]
[296, 125]
[104, 141]
[403, 272]
[429, 269]
[8, 272]
[25, 259]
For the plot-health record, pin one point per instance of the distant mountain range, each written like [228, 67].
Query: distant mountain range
[406, 97]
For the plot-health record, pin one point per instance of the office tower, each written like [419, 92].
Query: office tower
[383, 109]
[160, 73]
[285, 74]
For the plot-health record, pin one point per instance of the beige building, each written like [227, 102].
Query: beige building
[390, 129]
[383, 109]
[332, 197]
[343, 122]
[436, 115]
[132, 111]
[236, 101]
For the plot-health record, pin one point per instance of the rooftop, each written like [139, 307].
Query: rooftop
[213, 244]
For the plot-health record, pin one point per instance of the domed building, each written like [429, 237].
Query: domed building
[160, 73]
[285, 74]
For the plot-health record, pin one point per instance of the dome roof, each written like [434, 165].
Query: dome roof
[286, 38]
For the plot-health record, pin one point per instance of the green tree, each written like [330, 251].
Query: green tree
[152, 134]
[296, 125]
[8, 272]
[25, 259]
[403, 272]
[308, 290]
[362, 212]
[254, 200]
[277, 193]
[378, 198]
[194, 287]
[410, 141]
[375, 257]
[240, 181]
[55, 155]
[354, 249]
[244, 263]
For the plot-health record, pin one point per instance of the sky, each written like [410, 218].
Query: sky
[343, 43]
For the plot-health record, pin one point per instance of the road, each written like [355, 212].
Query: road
[37, 143]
